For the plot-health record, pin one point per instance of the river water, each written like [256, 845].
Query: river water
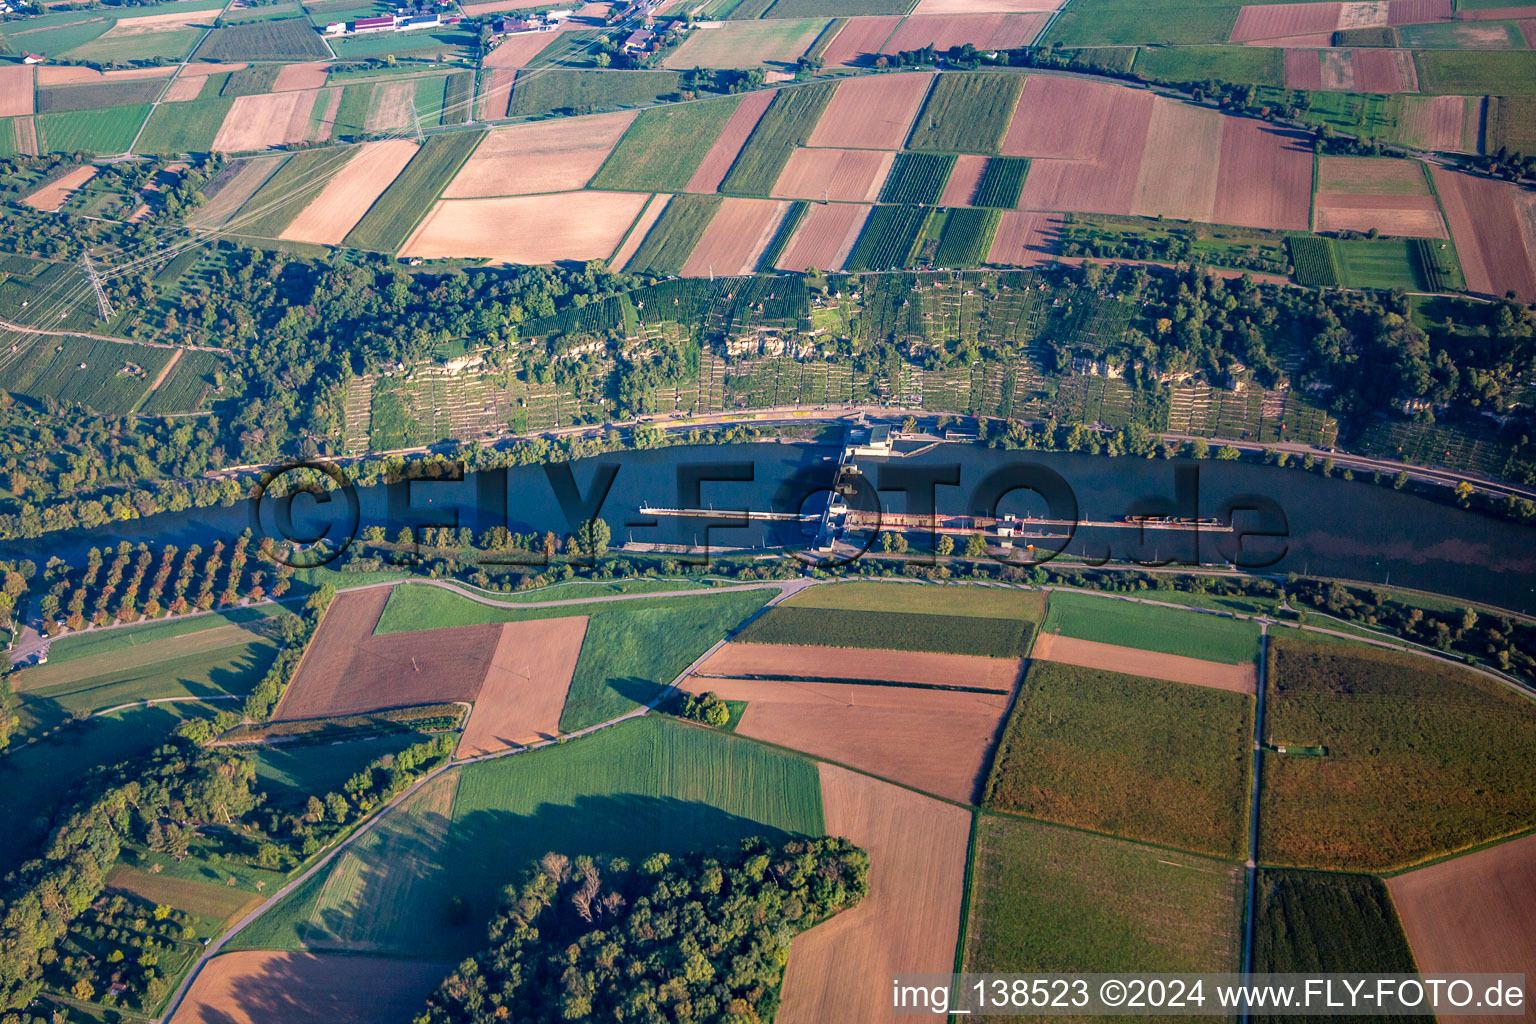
[1352, 529]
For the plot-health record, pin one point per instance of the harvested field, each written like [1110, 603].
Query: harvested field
[859, 42]
[1025, 239]
[1473, 913]
[1150, 664]
[963, 7]
[1485, 221]
[961, 187]
[839, 175]
[638, 232]
[872, 113]
[737, 235]
[15, 90]
[495, 93]
[1421, 12]
[984, 31]
[1389, 71]
[1363, 14]
[392, 107]
[1182, 156]
[528, 229]
[1303, 69]
[302, 988]
[1364, 175]
[1405, 216]
[302, 76]
[874, 728]
[265, 120]
[786, 661]
[252, 174]
[1338, 71]
[1073, 118]
[524, 690]
[205, 70]
[741, 44]
[52, 195]
[1266, 176]
[825, 237]
[347, 196]
[550, 156]
[184, 89]
[1442, 123]
[519, 50]
[910, 920]
[711, 171]
[1269, 21]
[60, 74]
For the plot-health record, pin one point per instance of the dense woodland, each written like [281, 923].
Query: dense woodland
[695, 938]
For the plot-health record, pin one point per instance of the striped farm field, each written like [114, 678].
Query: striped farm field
[344, 200]
[722, 153]
[872, 113]
[1001, 182]
[665, 146]
[289, 191]
[838, 175]
[736, 237]
[265, 120]
[825, 237]
[788, 122]
[552, 156]
[889, 239]
[900, 631]
[917, 178]
[390, 221]
[667, 245]
[967, 237]
[106, 131]
[967, 112]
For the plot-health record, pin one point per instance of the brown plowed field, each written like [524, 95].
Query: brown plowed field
[303, 988]
[302, 76]
[524, 689]
[1131, 661]
[1384, 71]
[961, 187]
[1484, 221]
[1472, 914]
[737, 235]
[872, 113]
[1266, 176]
[953, 7]
[1268, 21]
[825, 237]
[517, 51]
[1303, 69]
[1441, 123]
[983, 31]
[528, 229]
[1411, 216]
[184, 89]
[391, 107]
[738, 659]
[637, 233]
[1420, 12]
[858, 43]
[496, 93]
[1178, 170]
[910, 921]
[933, 740]
[52, 195]
[548, 156]
[347, 196]
[1025, 239]
[265, 120]
[1338, 71]
[25, 130]
[15, 90]
[711, 170]
[1069, 118]
[59, 74]
[838, 175]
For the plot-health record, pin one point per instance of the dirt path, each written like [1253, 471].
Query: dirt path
[164, 373]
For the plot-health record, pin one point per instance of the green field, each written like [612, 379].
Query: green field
[291, 772]
[893, 631]
[113, 379]
[836, 8]
[395, 214]
[1243, 65]
[643, 786]
[889, 240]
[633, 649]
[169, 45]
[1474, 72]
[788, 122]
[917, 178]
[191, 382]
[1512, 124]
[1383, 263]
[1001, 182]
[106, 131]
[285, 39]
[1045, 898]
[1125, 22]
[582, 91]
[54, 33]
[1321, 922]
[419, 44]
[249, 81]
[283, 196]
[1150, 628]
[967, 112]
[673, 236]
[1460, 36]
[743, 44]
[1407, 740]
[665, 145]
[188, 127]
[98, 97]
[924, 599]
[1141, 758]
[967, 238]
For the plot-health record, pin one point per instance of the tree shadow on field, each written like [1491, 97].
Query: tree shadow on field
[641, 691]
